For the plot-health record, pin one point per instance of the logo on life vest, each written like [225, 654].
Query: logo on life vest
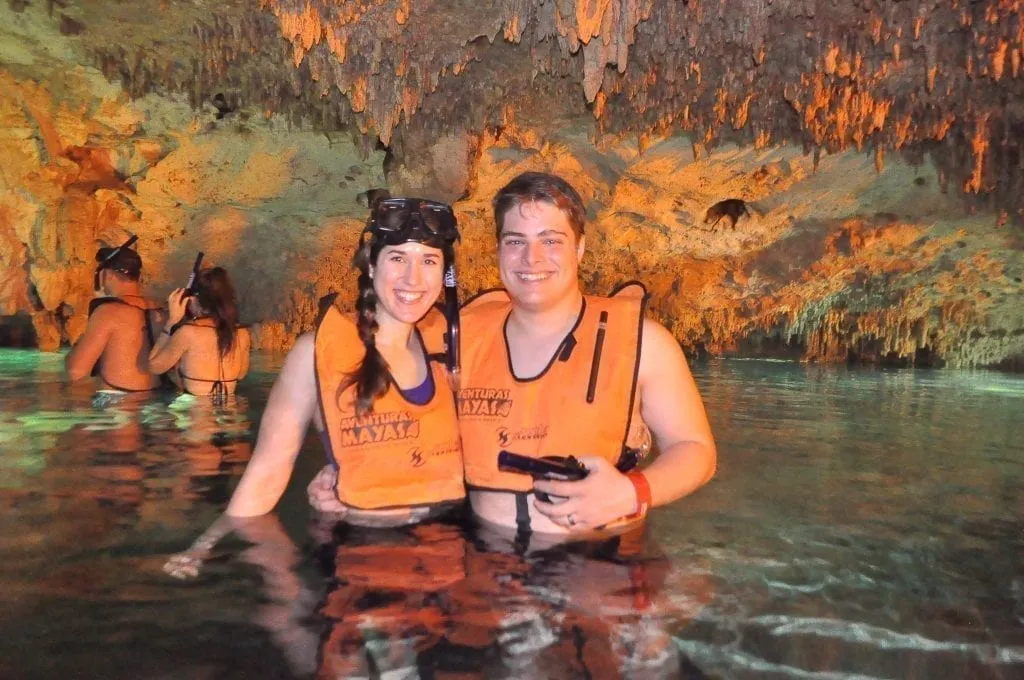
[507, 436]
[417, 456]
[480, 401]
[377, 428]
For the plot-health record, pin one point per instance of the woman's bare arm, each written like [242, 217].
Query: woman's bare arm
[289, 410]
[167, 351]
[284, 424]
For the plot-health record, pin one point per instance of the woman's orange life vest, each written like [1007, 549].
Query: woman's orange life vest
[400, 454]
[557, 412]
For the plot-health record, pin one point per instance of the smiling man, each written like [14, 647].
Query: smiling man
[548, 371]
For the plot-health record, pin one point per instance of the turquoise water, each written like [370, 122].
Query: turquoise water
[862, 524]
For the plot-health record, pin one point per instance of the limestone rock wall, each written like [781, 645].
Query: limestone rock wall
[842, 257]
[835, 263]
[84, 166]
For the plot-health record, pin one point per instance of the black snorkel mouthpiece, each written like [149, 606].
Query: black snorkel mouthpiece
[451, 313]
[190, 287]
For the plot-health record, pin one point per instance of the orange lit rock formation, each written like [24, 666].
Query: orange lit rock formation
[876, 141]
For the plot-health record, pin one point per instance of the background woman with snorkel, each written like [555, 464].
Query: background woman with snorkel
[203, 341]
[382, 403]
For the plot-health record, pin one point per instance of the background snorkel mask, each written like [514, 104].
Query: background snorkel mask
[109, 262]
[400, 220]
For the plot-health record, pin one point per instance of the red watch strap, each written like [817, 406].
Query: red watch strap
[643, 492]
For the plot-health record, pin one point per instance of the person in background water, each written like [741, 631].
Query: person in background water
[371, 385]
[209, 351]
[549, 371]
[123, 324]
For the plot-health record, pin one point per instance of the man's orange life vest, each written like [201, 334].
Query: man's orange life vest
[400, 454]
[581, 404]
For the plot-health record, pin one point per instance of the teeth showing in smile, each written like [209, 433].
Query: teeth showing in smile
[408, 298]
[533, 277]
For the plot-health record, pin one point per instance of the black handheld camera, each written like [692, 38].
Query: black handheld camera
[554, 468]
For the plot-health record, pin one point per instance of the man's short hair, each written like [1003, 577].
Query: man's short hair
[530, 187]
[124, 261]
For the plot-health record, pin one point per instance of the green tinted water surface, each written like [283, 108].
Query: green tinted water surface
[862, 524]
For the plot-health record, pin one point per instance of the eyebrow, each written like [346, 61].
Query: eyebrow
[387, 250]
[545, 232]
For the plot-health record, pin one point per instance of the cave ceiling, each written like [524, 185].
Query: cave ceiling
[923, 79]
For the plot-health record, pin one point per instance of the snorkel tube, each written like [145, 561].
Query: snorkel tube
[451, 313]
[190, 287]
[127, 244]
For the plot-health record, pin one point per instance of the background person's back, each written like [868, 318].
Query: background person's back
[124, 362]
[202, 363]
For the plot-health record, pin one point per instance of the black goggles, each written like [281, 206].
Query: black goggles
[103, 264]
[413, 219]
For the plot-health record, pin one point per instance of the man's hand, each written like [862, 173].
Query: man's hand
[602, 497]
[322, 496]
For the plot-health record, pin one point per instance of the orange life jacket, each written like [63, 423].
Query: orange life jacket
[557, 412]
[400, 454]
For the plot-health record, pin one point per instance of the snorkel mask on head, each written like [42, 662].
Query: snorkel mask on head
[400, 220]
[109, 262]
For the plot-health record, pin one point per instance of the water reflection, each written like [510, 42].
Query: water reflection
[90, 485]
[447, 600]
[863, 524]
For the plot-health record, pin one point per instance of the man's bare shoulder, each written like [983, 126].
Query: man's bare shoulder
[658, 342]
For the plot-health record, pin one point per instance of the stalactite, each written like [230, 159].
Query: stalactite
[867, 75]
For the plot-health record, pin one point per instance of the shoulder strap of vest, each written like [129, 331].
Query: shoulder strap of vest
[630, 289]
[238, 326]
[335, 329]
[324, 304]
[150, 335]
[143, 303]
[96, 303]
[484, 297]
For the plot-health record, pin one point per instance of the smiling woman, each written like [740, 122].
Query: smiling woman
[372, 385]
